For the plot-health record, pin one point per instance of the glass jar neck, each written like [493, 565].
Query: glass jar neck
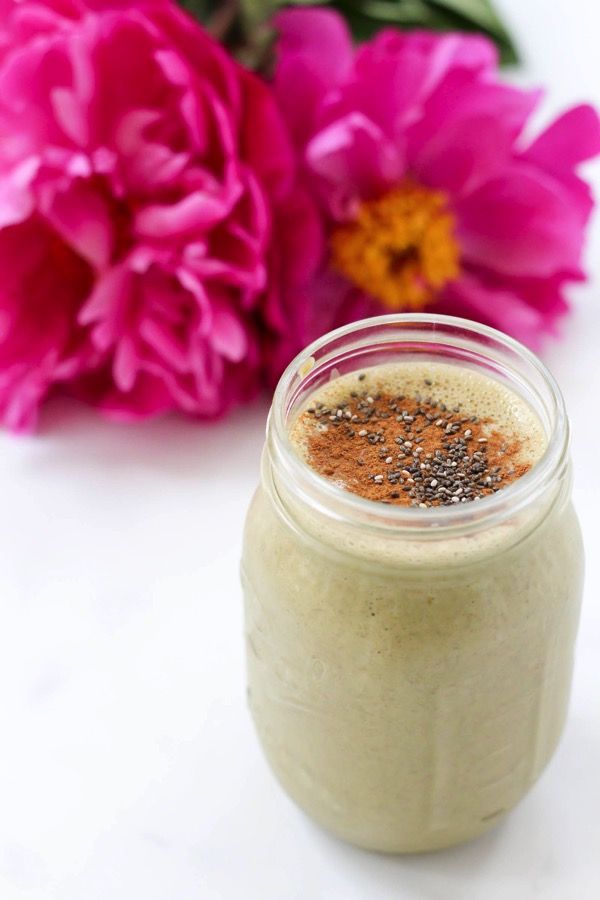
[426, 338]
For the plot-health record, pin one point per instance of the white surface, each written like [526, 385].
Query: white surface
[128, 765]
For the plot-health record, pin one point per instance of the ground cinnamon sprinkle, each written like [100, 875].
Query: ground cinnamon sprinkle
[409, 451]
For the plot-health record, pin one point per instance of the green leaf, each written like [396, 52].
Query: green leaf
[201, 9]
[242, 24]
[366, 17]
[480, 14]
[408, 12]
[255, 12]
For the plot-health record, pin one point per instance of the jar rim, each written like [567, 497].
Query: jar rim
[334, 501]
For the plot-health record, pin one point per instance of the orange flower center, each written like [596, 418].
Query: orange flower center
[400, 248]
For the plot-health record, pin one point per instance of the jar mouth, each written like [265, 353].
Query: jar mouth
[442, 338]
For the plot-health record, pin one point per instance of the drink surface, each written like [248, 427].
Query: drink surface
[419, 434]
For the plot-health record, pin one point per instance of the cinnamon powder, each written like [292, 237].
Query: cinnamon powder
[410, 452]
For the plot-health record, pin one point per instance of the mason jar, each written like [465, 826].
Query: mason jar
[409, 669]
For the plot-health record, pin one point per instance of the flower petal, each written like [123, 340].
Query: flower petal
[520, 223]
[498, 307]
[396, 73]
[197, 211]
[464, 154]
[320, 38]
[314, 54]
[80, 215]
[125, 364]
[227, 335]
[356, 161]
[16, 198]
[568, 141]
[461, 98]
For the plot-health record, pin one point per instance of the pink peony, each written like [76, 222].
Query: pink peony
[153, 240]
[431, 196]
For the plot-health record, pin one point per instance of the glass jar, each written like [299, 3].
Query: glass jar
[409, 669]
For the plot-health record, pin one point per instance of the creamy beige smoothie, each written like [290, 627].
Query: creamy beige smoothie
[408, 685]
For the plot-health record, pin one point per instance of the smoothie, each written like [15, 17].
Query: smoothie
[409, 686]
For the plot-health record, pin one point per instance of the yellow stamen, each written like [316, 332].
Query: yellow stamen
[400, 248]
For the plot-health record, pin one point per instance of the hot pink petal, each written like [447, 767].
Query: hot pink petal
[385, 90]
[16, 197]
[148, 397]
[227, 333]
[22, 389]
[314, 53]
[193, 213]
[461, 99]
[40, 344]
[395, 74]
[446, 52]
[320, 38]
[71, 115]
[289, 305]
[125, 364]
[501, 308]
[164, 341]
[353, 159]
[464, 155]
[265, 141]
[80, 215]
[570, 140]
[520, 223]
[108, 296]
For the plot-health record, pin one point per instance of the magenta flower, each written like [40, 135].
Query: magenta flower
[431, 196]
[153, 240]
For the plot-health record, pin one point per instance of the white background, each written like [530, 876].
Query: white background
[128, 764]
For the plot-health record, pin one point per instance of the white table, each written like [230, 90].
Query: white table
[128, 764]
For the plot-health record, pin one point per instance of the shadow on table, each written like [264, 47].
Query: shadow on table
[429, 876]
[71, 433]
